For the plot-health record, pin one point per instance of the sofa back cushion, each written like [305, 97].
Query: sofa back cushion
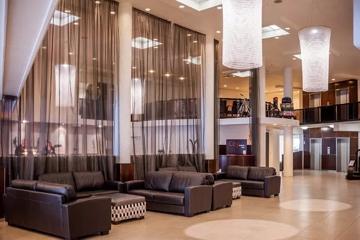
[182, 180]
[187, 168]
[65, 190]
[61, 178]
[158, 180]
[259, 173]
[89, 180]
[237, 172]
[24, 184]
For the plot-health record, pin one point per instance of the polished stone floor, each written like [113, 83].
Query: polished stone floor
[312, 205]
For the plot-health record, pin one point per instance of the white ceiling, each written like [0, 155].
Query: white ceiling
[278, 53]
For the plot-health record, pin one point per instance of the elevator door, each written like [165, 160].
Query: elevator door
[342, 154]
[315, 153]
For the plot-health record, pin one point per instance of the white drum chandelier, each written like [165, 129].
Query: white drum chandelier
[357, 23]
[242, 29]
[315, 50]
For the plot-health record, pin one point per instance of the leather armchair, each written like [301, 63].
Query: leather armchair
[272, 186]
[197, 199]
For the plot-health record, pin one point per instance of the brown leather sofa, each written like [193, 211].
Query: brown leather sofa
[255, 181]
[69, 205]
[175, 192]
[54, 209]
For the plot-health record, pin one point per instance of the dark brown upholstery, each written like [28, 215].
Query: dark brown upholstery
[50, 208]
[259, 181]
[88, 180]
[179, 192]
[62, 178]
[222, 195]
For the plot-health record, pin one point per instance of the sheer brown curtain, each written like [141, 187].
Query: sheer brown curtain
[66, 105]
[167, 77]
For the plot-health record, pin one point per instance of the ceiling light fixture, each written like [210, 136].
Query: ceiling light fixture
[181, 6]
[112, 12]
[333, 79]
[315, 46]
[218, 31]
[200, 5]
[287, 28]
[97, 2]
[242, 48]
[181, 78]
[148, 9]
[225, 86]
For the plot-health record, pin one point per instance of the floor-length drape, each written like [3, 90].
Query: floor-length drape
[66, 105]
[167, 77]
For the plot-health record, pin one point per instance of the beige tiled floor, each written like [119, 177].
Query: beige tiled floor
[341, 225]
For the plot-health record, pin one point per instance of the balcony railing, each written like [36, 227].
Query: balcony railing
[327, 114]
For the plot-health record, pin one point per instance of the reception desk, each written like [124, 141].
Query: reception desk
[240, 160]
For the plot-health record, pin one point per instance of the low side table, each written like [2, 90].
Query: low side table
[126, 206]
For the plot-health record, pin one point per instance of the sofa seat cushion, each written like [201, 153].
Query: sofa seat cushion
[237, 172]
[248, 184]
[259, 173]
[148, 194]
[168, 198]
[88, 180]
[95, 193]
[67, 191]
[158, 181]
[62, 178]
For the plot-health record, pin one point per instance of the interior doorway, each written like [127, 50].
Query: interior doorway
[315, 153]
[342, 154]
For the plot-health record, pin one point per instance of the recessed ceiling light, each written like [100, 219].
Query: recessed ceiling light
[151, 71]
[181, 78]
[97, 2]
[218, 31]
[219, 7]
[148, 9]
[189, 35]
[287, 28]
[181, 6]
[276, 37]
[333, 79]
[273, 31]
[112, 12]
[71, 53]
[167, 74]
[225, 86]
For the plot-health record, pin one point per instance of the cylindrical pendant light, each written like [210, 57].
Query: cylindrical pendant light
[242, 29]
[315, 50]
[357, 23]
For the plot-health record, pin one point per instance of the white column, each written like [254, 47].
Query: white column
[209, 99]
[274, 149]
[288, 131]
[288, 82]
[288, 152]
[125, 36]
[261, 161]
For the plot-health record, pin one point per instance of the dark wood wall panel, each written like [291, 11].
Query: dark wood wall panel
[297, 156]
[125, 171]
[328, 140]
[240, 160]
[329, 97]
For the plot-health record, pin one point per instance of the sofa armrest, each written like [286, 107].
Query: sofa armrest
[115, 185]
[219, 175]
[197, 199]
[272, 185]
[87, 216]
[135, 184]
